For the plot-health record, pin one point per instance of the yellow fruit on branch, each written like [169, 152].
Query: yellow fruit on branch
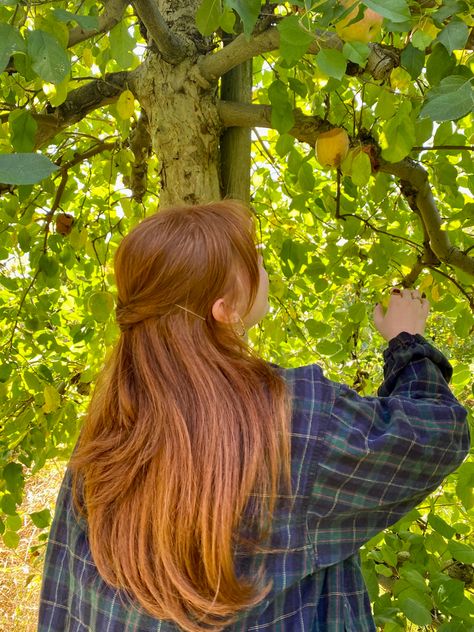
[332, 147]
[367, 29]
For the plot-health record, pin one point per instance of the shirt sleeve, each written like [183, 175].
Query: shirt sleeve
[381, 456]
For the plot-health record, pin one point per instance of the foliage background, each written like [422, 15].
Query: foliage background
[333, 245]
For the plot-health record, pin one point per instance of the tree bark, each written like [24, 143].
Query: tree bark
[184, 127]
[183, 122]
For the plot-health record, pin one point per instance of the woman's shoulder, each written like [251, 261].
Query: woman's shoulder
[305, 378]
[312, 394]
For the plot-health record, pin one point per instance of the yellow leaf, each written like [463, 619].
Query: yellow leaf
[435, 292]
[399, 78]
[427, 281]
[126, 104]
[59, 93]
[427, 26]
[52, 399]
[87, 57]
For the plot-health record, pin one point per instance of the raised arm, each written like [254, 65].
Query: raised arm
[381, 456]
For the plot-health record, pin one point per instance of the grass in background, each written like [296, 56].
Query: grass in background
[21, 568]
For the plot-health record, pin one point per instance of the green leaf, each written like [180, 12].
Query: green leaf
[11, 539]
[394, 10]
[101, 305]
[8, 504]
[356, 52]
[10, 42]
[208, 16]
[421, 40]
[451, 100]
[328, 347]
[294, 40]
[298, 87]
[413, 60]
[5, 372]
[41, 519]
[227, 21]
[306, 177]
[13, 476]
[386, 105]
[22, 130]
[52, 399]
[399, 135]
[415, 611]
[465, 483]
[87, 22]
[48, 265]
[461, 552]
[282, 110]
[441, 526]
[439, 64]
[381, 569]
[414, 578]
[284, 144]
[24, 239]
[25, 168]
[122, 45]
[248, 10]
[447, 9]
[317, 328]
[332, 62]
[357, 312]
[448, 592]
[13, 523]
[454, 35]
[361, 169]
[48, 58]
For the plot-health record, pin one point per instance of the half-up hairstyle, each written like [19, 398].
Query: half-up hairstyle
[187, 426]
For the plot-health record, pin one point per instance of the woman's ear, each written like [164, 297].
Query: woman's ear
[221, 312]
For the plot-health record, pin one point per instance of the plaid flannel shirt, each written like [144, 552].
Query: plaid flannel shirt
[358, 465]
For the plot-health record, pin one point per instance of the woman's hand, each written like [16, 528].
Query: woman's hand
[407, 311]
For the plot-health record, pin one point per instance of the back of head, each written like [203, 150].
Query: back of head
[185, 423]
[186, 256]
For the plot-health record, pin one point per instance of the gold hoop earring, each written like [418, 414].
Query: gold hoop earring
[243, 332]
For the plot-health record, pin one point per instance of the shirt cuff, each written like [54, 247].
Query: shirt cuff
[405, 349]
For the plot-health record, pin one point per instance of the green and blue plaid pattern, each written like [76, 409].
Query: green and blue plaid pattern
[358, 465]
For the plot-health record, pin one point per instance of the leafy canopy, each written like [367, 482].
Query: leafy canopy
[73, 184]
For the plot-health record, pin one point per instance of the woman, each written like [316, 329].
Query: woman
[210, 489]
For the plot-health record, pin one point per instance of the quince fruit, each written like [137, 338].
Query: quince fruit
[367, 29]
[332, 147]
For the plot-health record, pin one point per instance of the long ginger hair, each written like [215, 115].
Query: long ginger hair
[187, 427]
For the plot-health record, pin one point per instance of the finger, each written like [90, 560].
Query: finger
[415, 294]
[406, 293]
[395, 293]
[425, 304]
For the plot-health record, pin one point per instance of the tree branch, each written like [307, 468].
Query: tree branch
[140, 144]
[79, 103]
[439, 241]
[381, 61]
[308, 128]
[447, 147]
[172, 48]
[111, 16]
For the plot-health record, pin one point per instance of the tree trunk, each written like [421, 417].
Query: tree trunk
[184, 124]
[184, 127]
[236, 141]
